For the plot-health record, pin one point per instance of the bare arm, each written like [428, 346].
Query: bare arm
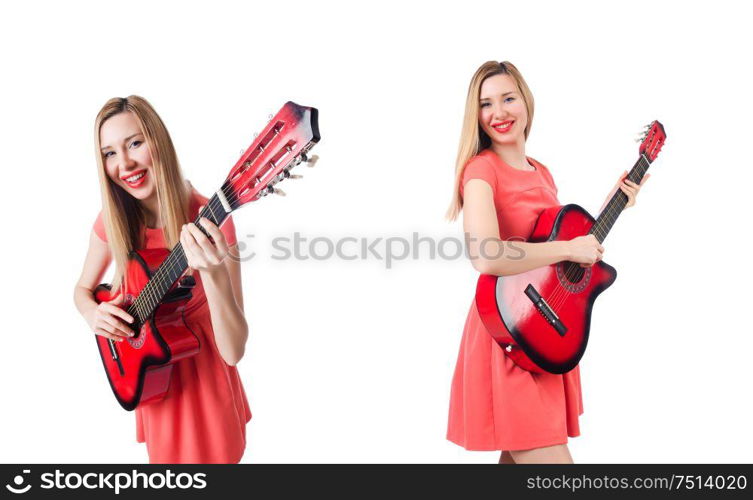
[225, 297]
[221, 276]
[104, 319]
[491, 255]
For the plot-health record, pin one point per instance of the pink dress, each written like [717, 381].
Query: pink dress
[494, 404]
[202, 419]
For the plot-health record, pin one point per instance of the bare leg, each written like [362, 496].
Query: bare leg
[557, 454]
[506, 458]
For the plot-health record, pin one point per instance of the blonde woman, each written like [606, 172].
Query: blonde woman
[148, 204]
[494, 404]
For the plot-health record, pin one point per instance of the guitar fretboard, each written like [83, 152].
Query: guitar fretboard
[173, 267]
[616, 204]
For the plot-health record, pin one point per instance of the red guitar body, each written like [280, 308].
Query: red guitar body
[139, 369]
[536, 341]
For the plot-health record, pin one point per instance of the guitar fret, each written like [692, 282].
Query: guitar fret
[617, 203]
[173, 267]
[214, 217]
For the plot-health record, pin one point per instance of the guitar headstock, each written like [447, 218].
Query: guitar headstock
[283, 144]
[652, 140]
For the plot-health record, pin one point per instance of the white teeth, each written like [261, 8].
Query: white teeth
[134, 178]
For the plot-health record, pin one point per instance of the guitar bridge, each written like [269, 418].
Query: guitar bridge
[545, 310]
[115, 357]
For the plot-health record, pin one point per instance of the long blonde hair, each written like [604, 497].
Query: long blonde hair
[123, 216]
[473, 139]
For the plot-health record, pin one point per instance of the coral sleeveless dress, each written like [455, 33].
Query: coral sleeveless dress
[494, 404]
[202, 418]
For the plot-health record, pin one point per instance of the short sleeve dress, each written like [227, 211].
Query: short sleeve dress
[203, 417]
[494, 404]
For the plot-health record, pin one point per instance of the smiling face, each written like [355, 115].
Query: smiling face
[502, 111]
[126, 156]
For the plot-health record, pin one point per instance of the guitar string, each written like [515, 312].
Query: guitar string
[611, 213]
[144, 301]
[146, 305]
[572, 269]
[610, 217]
[147, 298]
[560, 296]
[163, 275]
[137, 305]
[553, 299]
[147, 301]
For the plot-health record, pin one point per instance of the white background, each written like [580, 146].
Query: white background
[348, 361]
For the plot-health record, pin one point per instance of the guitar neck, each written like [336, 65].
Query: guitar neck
[616, 204]
[281, 145]
[173, 267]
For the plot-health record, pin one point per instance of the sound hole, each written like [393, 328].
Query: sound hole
[137, 341]
[573, 277]
[574, 273]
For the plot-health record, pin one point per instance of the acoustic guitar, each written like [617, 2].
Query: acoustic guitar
[139, 368]
[542, 317]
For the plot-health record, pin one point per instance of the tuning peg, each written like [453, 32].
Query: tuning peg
[310, 162]
[269, 116]
[278, 191]
[287, 175]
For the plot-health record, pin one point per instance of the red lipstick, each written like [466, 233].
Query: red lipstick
[503, 127]
[139, 181]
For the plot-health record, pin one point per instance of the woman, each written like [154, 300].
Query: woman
[494, 404]
[148, 204]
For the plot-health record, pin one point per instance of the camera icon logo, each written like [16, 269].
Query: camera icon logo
[19, 481]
